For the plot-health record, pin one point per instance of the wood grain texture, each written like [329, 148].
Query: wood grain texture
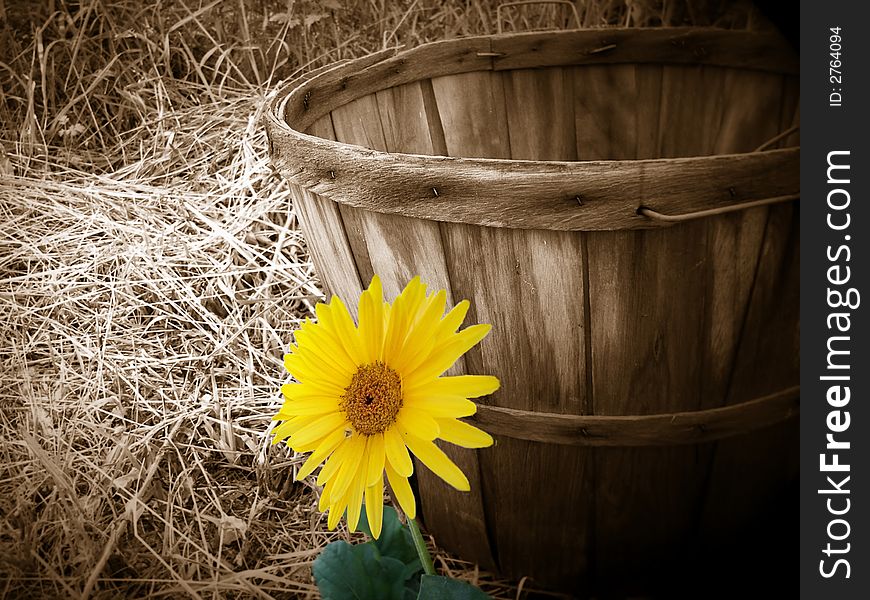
[524, 284]
[472, 113]
[694, 46]
[540, 110]
[749, 114]
[328, 245]
[649, 298]
[648, 85]
[359, 121]
[606, 114]
[762, 463]
[769, 327]
[349, 217]
[400, 248]
[327, 241]
[537, 329]
[751, 111]
[404, 119]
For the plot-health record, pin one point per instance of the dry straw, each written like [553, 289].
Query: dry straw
[151, 274]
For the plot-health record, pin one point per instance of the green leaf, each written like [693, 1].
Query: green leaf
[412, 583]
[361, 572]
[395, 540]
[436, 587]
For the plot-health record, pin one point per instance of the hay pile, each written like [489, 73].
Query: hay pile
[151, 275]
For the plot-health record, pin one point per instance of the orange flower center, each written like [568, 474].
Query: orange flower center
[373, 398]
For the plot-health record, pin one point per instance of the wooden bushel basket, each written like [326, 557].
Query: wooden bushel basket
[619, 205]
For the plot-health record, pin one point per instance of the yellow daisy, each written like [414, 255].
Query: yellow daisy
[368, 394]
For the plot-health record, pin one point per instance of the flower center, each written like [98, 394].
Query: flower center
[373, 398]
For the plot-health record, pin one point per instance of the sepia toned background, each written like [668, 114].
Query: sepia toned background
[152, 271]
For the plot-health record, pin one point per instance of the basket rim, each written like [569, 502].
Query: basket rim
[557, 195]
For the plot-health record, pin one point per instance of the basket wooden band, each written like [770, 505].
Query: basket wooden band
[528, 194]
[641, 430]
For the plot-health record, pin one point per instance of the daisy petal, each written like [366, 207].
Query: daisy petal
[442, 406]
[352, 460]
[420, 340]
[312, 446]
[401, 318]
[324, 503]
[447, 353]
[322, 451]
[415, 353]
[321, 427]
[466, 386]
[311, 387]
[375, 468]
[394, 335]
[397, 453]
[355, 500]
[347, 331]
[418, 421]
[430, 315]
[291, 426]
[327, 473]
[326, 350]
[375, 506]
[463, 434]
[433, 457]
[303, 391]
[414, 294]
[281, 431]
[335, 320]
[328, 344]
[452, 320]
[402, 491]
[336, 511]
[305, 365]
[371, 321]
[309, 406]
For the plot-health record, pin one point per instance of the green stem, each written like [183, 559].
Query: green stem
[420, 547]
